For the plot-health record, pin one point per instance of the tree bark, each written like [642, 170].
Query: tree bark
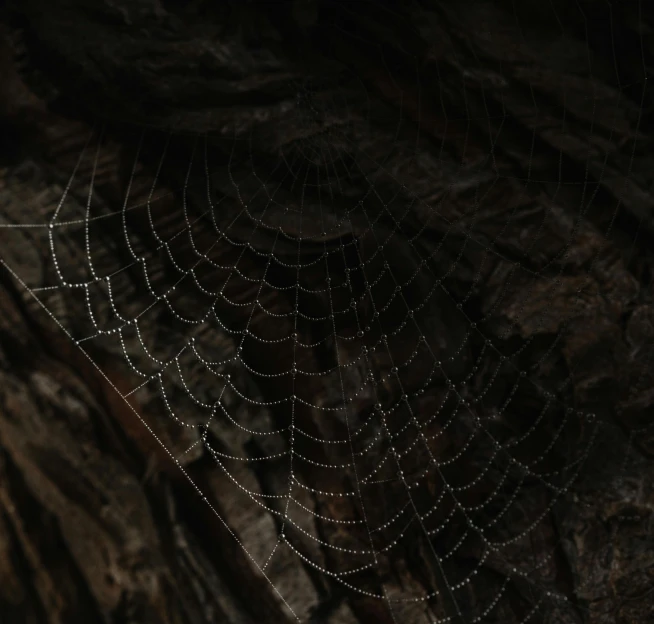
[498, 156]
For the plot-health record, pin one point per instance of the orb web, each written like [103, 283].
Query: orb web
[359, 319]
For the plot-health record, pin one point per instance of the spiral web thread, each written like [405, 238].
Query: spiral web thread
[158, 295]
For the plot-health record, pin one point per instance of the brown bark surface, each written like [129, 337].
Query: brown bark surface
[485, 167]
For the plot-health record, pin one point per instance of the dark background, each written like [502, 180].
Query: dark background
[509, 143]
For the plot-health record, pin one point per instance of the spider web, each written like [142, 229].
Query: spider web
[299, 314]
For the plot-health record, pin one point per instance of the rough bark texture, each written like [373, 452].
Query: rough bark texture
[521, 172]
